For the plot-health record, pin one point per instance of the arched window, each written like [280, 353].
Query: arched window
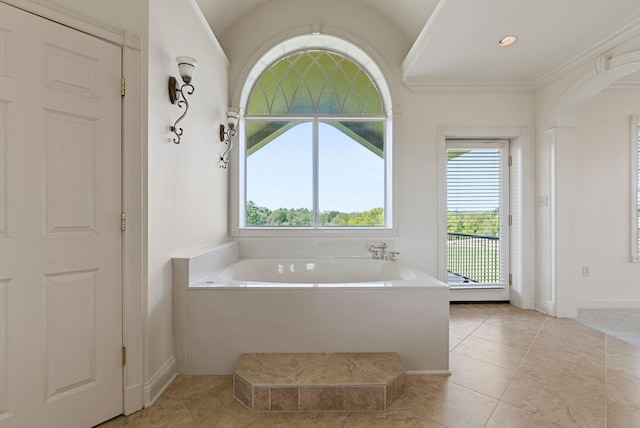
[315, 152]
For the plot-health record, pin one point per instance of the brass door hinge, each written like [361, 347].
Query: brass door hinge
[510, 279]
[122, 87]
[124, 355]
[123, 221]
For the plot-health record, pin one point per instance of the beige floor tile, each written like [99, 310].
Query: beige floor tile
[569, 374]
[455, 339]
[508, 416]
[463, 325]
[514, 320]
[588, 354]
[524, 313]
[395, 419]
[472, 311]
[217, 404]
[556, 402]
[505, 334]
[165, 413]
[446, 403]
[623, 358]
[479, 376]
[569, 328]
[186, 385]
[623, 390]
[491, 352]
[621, 416]
[291, 420]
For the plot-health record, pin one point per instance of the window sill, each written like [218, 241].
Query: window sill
[270, 232]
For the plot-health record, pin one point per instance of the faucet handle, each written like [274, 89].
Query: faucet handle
[374, 251]
[393, 255]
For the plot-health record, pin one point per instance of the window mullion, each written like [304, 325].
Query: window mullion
[316, 151]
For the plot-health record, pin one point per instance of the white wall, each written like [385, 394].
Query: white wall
[559, 110]
[187, 192]
[603, 202]
[416, 116]
[112, 12]
[416, 162]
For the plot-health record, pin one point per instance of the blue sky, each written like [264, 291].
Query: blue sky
[280, 175]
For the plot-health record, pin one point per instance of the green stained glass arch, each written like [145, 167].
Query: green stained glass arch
[315, 82]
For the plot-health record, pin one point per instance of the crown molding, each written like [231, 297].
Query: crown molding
[436, 19]
[422, 85]
[598, 46]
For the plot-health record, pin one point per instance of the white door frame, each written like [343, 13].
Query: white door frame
[501, 291]
[133, 185]
[523, 294]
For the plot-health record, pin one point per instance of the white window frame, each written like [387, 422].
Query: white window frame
[237, 192]
[635, 159]
[239, 227]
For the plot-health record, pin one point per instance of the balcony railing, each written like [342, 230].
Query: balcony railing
[473, 259]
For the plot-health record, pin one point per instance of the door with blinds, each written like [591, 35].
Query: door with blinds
[477, 198]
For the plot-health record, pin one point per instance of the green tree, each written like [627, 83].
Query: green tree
[256, 216]
[485, 223]
[301, 217]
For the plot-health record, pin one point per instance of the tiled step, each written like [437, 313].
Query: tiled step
[318, 381]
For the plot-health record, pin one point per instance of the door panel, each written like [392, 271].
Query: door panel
[60, 238]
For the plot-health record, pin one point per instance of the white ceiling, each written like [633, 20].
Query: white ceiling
[455, 41]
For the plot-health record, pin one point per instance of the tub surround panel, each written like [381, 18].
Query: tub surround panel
[193, 267]
[216, 322]
[224, 323]
[202, 263]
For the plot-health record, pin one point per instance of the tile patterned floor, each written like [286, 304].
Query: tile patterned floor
[510, 368]
[621, 323]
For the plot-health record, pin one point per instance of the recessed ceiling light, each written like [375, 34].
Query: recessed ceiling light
[507, 40]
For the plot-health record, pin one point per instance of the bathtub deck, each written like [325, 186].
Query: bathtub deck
[318, 381]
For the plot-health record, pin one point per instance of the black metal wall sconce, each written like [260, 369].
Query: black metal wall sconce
[177, 93]
[226, 135]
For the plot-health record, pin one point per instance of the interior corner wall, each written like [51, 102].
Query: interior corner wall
[187, 191]
[603, 198]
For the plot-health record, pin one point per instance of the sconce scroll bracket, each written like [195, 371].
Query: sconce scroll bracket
[174, 89]
[223, 133]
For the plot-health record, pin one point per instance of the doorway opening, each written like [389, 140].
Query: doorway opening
[477, 219]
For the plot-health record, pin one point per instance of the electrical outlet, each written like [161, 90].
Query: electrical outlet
[585, 270]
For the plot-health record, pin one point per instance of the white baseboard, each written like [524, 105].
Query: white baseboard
[608, 302]
[546, 307]
[159, 382]
[133, 399]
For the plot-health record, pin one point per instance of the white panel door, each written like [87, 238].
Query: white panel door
[60, 238]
